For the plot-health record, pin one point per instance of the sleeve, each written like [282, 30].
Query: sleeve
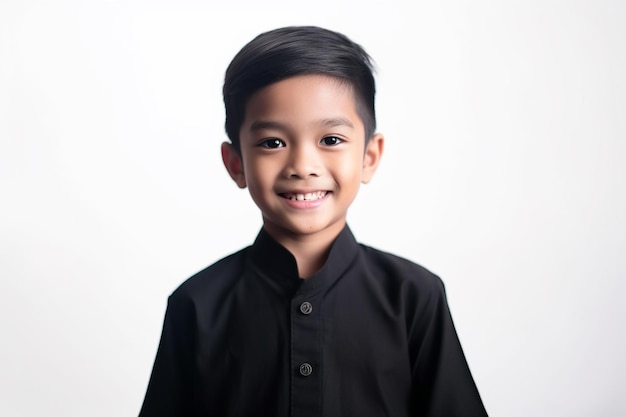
[443, 384]
[170, 387]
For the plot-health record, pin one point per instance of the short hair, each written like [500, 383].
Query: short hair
[298, 50]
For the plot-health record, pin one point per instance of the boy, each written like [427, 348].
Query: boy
[306, 321]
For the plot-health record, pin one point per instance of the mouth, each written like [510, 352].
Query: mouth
[316, 195]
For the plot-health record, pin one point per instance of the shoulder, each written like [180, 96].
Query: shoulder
[411, 289]
[398, 266]
[213, 281]
[397, 272]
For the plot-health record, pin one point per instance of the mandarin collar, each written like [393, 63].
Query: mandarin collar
[274, 261]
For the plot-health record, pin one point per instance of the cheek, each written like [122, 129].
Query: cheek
[259, 194]
[348, 171]
[260, 176]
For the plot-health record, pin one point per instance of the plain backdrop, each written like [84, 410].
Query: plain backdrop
[504, 173]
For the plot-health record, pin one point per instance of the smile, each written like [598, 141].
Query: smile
[304, 197]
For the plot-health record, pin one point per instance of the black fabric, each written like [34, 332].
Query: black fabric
[375, 339]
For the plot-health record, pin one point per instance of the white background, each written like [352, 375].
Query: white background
[503, 173]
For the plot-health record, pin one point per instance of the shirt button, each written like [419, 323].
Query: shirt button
[306, 308]
[306, 369]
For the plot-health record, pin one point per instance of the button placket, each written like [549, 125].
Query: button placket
[305, 355]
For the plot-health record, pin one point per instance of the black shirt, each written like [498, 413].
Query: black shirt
[369, 334]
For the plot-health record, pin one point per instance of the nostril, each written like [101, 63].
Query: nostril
[303, 175]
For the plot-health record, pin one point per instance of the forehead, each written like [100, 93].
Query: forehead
[303, 99]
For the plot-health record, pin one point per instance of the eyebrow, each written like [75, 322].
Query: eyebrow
[266, 125]
[272, 125]
[336, 121]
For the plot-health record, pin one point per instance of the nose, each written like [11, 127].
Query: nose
[304, 162]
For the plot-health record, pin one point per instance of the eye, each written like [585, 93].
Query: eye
[272, 143]
[331, 141]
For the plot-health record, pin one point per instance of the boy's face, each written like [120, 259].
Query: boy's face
[303, 155]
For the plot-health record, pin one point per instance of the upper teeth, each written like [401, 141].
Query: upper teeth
[308, 196]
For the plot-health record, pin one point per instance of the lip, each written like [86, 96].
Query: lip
[305, 204]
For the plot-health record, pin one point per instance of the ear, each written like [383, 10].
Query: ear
[233, 163]
[373, 152]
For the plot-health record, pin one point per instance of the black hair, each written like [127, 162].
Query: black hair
[297, 50]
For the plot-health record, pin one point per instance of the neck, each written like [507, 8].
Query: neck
[310, 251]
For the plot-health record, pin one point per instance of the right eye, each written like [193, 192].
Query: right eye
[272, 143]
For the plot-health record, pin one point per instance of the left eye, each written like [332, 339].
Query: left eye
[331, 140]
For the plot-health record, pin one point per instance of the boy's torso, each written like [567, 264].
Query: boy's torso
[356, 338]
